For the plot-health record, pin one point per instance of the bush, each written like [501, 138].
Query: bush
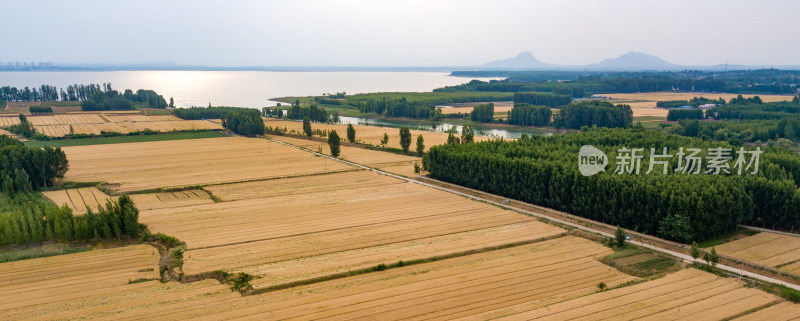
[241, 282]
[688, 113]
[40, 109]
[619, 237]
[695, 250]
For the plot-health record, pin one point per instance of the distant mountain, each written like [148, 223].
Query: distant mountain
[524, 60]
[634, 61]
[631, 61]
[626, 62]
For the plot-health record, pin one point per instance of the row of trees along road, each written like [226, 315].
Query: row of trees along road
[676, 206]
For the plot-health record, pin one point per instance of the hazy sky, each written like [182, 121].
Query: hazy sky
[397, 33]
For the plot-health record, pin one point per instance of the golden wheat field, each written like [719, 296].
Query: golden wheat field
[466, 110]
[538, 273]
[96, 123]
[779, 312]
[390, 162]
[369, 134]
[294, 228]
[148, 165]
[189, 197]
[687, 294]
[285, 215]
[28, 285]
[768, 249]
[79, 199]
[644, 104]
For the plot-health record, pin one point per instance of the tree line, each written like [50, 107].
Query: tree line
[483, 113]
[313, 112]
[77, 92]
[694, 102]
[750, 111]
[110, 99]
[684, 113]
[558, 88]
[529, 115]
[586, 83]
[542, 99]
[242, 121]
[679, 207]
[28, 218]
[593, 113]
[396, 107]
[41, 166]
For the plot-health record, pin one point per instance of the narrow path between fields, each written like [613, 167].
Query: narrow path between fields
[684, 257]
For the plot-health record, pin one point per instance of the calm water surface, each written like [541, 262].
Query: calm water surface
[239, 88]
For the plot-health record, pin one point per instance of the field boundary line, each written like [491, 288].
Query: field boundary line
[330, 230]
[434, 258]
[683, 257]
[761, 229]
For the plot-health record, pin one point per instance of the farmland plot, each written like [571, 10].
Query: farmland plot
[779, 312]
[390, 162]
[498, 109]
[688, 294]
[769, 249]
[26, 285]
[95, 123]
[369, 134]
[539, 274]
[148, 165]
[294, 228]
[78, 199]
[644, 104]
[190, 197]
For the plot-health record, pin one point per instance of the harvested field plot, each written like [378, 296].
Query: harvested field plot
[26, 285]
[369, 134]
[142, 166]
[688, 294]
[289, 229]
[769, 249]
[644, 104]
[389, 162]
[664, 96]
[779, 312]
[95, 123]
[550, 271]
[538, 274]
[171, 199]
[126, 127]
[466, 110]
[78, 199]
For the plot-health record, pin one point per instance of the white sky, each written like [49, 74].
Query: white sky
[398, 33]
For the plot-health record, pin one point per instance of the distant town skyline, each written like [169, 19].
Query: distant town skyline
[390, 33]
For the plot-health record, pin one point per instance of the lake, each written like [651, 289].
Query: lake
[239, 88]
